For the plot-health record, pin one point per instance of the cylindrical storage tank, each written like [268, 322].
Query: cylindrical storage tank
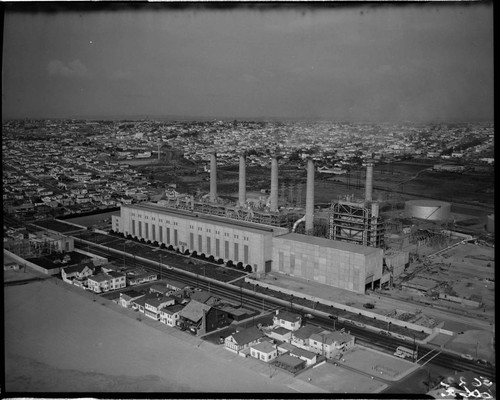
[490, 223]
[431, 210]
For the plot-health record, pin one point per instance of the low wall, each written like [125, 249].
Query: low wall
[23, 262]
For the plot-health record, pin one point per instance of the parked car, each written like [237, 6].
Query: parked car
[467, 356]
[483, 362]
[368, 305]
[310, 316]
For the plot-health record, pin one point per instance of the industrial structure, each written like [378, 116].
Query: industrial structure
[261, 234]
[430, 210]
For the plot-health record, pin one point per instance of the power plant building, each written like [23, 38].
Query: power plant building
[340, 264]
[225, 238]
[261, 237]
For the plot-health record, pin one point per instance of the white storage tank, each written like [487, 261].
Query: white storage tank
[431, 210]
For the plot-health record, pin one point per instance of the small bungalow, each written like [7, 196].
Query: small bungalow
[192, 317]
[288, 320]
[241, 340]
[289, 363]
[78, 271]
[280, 333]
[264, 351]
[300, 338]
[331, 344]
[126, 298]
[308, 356]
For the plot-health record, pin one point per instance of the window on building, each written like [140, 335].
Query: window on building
[209, 250]
[160, 229]
[146, 230]
[245, 254]
[217, 247]
[200, 243]
[292, 263]
[281, 261]
[191, 240]
[236, 255]
[153, 231]
[140, 229]
[133, 228]
[168, 235]
[176, 239]
[226, 249]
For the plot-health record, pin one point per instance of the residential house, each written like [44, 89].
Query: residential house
[78, 271]
[289, 363]
[241, 340]
[192, 317]
[140, 275]
[264, 351]
[285, 348]
[170, 314]
[126, 298]
[331, 344]
[300, 338]
[288, 320]
[104, 282]
[204, 297]
[152, 306]
[308, 356]
[280, 333]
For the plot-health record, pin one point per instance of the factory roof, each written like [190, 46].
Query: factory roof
[334, 244]
[200, 216]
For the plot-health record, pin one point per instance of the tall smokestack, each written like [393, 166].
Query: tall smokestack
[213, 177]
[243, 182]
[369, 182]
[310, 196]
[274, 184]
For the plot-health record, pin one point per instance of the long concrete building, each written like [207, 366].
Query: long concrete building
[265, 248]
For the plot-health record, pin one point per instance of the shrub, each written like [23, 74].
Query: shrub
[194, 254]
[186, 253]
[170, 247]
[143, 240]
[162, 246]
[155, 243]
[230, 264]
[148, 242]
[220, 261]
[211, 259]
[129, 236]
[239, 265]
[248, 268]
[203, 256]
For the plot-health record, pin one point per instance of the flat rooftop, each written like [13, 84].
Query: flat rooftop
[231, 223]
[334, 244]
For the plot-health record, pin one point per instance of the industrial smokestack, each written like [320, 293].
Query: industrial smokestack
[274, 184]
[213, 177]
[243, 182]
[310, 196]
[369, 182]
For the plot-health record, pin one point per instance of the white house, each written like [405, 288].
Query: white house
[288, 320]
[264, 351]
[169, 315]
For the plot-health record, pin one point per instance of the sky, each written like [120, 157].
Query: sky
[358, 63]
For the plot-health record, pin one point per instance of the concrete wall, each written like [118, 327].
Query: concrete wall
[38, 268]
[330, 266]
[258, 242]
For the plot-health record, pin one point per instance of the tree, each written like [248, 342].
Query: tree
[171, 247]
[220, 261]
[155, 243]
[186, 253]
[239, 265]
[211, 259]
[248, 268]
[162, 246]
[194, 254]
[230, 264]
[203, 256]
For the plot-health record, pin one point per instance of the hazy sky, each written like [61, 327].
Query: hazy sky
[428, 62]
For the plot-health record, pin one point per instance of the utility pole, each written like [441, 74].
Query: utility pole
[160, 266]
[241, 296]
[123, 254]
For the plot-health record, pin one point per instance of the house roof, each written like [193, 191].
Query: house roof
[247, 335]
[306, 331]
[157, 301]
[194, 310]
[116, 274]
[286, 346]
[264, 347]
[78, 268]
[289, 360]
[173, 309]
[131, 294]
[289, 316]
[281, 331]
[303, 353]
[100, 277]
[201, 295]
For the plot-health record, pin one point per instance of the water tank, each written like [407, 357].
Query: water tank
[431, 210]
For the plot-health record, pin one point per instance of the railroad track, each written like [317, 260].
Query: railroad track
[258, 302]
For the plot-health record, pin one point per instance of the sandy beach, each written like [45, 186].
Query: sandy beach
[59, 341]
